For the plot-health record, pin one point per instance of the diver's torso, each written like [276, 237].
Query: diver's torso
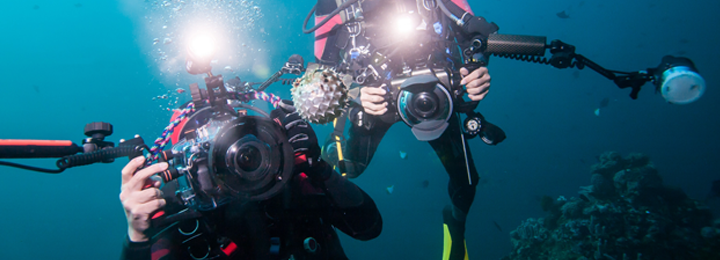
[284, 227]
[368, 36]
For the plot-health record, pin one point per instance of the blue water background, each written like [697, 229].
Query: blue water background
[67, 63]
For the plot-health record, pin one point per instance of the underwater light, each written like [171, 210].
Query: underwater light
[202, 47]
[678, 81]
[404, 25]
[201, 50]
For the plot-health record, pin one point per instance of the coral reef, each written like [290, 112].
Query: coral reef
[626, 213]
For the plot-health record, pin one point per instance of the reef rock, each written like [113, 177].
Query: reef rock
[626, 213]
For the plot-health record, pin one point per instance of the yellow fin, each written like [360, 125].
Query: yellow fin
[447, 244]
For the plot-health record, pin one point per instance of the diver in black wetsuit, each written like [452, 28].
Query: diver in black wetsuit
[354, 31]
[299, 223]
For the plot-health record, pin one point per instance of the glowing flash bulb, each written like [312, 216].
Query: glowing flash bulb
[202, 47]
[201, 50]
[404, 25]
[678, 81]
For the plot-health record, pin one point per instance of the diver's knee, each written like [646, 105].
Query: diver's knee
[351, 169]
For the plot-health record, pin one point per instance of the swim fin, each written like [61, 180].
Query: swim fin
[454, 231]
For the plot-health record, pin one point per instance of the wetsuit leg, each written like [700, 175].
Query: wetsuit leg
[453, 152]
[362, 142]
[462, 173]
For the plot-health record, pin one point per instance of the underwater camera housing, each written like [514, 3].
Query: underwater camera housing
[422, 99]
[223, 155]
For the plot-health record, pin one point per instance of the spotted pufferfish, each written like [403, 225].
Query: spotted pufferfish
[319, 95]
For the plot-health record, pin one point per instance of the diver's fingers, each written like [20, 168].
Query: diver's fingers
[479, 73]
[148, 194]
[142, 211]
[478, 97]
[477, 89]
[372, 91]
[378, 112]
[139, 179]
[131, 167]
[372, 98]
[130, 198]
[375, 107]
[464, 72]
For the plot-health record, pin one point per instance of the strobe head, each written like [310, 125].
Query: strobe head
[200, 52]
[425, 105]
[678, 80]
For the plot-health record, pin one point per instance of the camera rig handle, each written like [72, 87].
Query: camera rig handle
[94, 149]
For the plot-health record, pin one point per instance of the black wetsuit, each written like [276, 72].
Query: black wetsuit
[273, 229]
[362, 142]
[366, 131]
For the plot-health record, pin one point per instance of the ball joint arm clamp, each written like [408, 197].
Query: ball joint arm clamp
[295, 65]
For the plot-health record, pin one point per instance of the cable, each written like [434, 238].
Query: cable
[327, 18]
[96, 156]
[25, 167]
[528, 58]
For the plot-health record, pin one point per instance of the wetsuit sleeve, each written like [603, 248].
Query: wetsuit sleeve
[136, 250]
[354, 212]
[160, 248]
[362, 222]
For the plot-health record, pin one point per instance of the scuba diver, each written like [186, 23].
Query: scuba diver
[357, 38]
[298, 222]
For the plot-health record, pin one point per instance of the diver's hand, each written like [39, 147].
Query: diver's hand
[300, 135]
[373, 100]
[139, 200]
[477, 83]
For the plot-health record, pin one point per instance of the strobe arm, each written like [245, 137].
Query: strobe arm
[94, 149]
[295, 65]
[532, 48]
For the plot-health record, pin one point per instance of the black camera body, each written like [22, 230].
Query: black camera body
[224, 155]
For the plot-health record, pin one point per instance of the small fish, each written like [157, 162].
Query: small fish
[36, 7]
[403, 155]
[597, 112]
[425, 183]
[78, 5]
[390, 189]
[563, 15]
[604, 103]
[497, 226]
[180, 90]
[36, 88]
